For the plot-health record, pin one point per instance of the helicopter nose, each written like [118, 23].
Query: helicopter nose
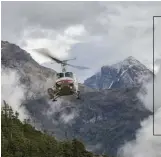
[69, 81]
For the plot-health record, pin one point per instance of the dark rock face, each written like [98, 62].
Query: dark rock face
[128, 73]
[103, 120]
[36, 78]
[13, 55]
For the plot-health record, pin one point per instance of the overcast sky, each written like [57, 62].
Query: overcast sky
[97, 33]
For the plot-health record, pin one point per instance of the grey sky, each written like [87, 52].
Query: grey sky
[97, 33]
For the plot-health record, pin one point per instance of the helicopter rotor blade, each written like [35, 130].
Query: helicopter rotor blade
[45, 52]
[78, 67]
[70, 59]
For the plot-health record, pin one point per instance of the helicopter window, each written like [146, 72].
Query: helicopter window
[69, 74]
[60, 75]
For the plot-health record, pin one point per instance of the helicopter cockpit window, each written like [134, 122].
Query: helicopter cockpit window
[69, 74]
[60, 75]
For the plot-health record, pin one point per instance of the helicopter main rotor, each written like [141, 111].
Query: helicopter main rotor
[45, 52]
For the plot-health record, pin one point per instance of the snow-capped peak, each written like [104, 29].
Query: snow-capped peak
[126, 73]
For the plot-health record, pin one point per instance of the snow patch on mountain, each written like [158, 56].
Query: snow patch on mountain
[127, 73]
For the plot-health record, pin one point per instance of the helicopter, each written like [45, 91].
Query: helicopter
[66, 82]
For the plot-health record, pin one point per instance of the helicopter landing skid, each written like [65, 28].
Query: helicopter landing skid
[77, 94]
[52, 94]
[55, 98]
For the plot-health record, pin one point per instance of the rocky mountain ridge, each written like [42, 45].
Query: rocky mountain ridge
[103, 120]
[127, 73]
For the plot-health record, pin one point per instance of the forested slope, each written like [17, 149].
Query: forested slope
[20, 139]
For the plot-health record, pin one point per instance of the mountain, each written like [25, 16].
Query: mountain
[35, 77]
[127, 73]
[103, 120]
[22, 139]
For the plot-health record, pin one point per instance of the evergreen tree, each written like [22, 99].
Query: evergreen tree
[22, 140]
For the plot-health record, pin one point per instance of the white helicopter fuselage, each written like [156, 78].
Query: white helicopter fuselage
[68, 80]
[66, 84]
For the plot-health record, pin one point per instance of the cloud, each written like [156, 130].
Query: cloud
[97, 33]
[67, 118]
[157, 38]
[148, 100]
[58, 44]
[61, 112]
[146, 144]
[94, 147]
[48, 15]
[12, 92]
